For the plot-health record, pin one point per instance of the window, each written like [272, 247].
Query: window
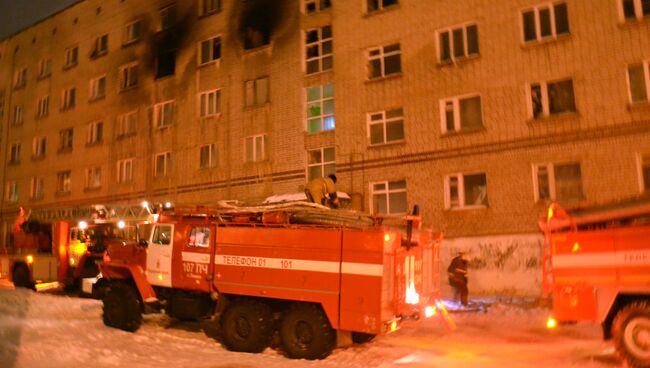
[18, 115]
[36, 186]
[97, 87]
[207, 156]
[376, 5]
[210, 103]
[69, 98]
[162, 164]
[257, 91]
[11, 191]
[167, 17]
[384, 61]
[45, 68]
[388, 197]
[165, 63]
[14, 154]
[125, 170]
[459, 114]
[2, 103]
[93, 177]
[209, 6]
[318, 49]
[644, 161]
[128, 76]
[199, 237]
[95, 132]
[457, 43]
[133, 32]
[65, 143]
[20, 78]
[100, 47]
[386, 126]
[639, 82]
[546, 21]
[164, 114]
[558, 182]
[635, 9]
[43, 106]
[210, 50]
[126, 123]
[71, 57]
[313, 6]
[320, 108]
[255, 148]
[63, 182]
[162, 234]
[466, 191]
[550, 98]
[320, 163]
[39, 145]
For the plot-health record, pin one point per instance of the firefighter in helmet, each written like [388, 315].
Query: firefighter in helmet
[323, 191]
[457, 272]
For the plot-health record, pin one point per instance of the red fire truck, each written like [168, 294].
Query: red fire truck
[61, 246]
[305, 276]
[597, 268]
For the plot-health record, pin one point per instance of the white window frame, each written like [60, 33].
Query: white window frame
[550, 170]
[546, 104]
[320, 102]
[643, 159]
[66, 137]
[166, 165]
[43, 106]
[45, 67]
[64, 181]
[322, 164]
[380, 6]
[39, 146]
[133, 31]
[455, 101]
[387, 192]
[211, 46]
[462, 201]
[125, 170]
[318, 6]
[160, 113]
[11, 191]
[646, 79]
[128, 76]
[538, 31]
[69, 98]
[71, 57]
[20, 77]
[211, 159]
[97, 87]
[207, 7]
[319, 44]
[93, 177]
[19, 115]
[127, 124]
[36, 188]
[253, 90]
[250, 145]
[95, 133]
[452, 51]
[100, 46]
[210, 103]
[638, 11]
[379, 53]
[380, 118]
[14, 153]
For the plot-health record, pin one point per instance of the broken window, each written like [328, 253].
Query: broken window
[320, 108]
[635, 9]
[313, 6]
[639, 82]
[210, 103]
[125, 170]
[376, 5]
[166, 63]
[71, 56]
[461, 113]
[466, 190]
[384, 61]
[97, 87]
[93, 177]
[458, 43]
[209, 6]
[162, 165]
[207, 157]
[126, 124]
[36, 188]
[257, 91]
[255, 147]
[545, 21]
[550, 98]
[63, 182]
[43, 106]
[388, 197]
[318, 49]
[164, 114]
[210, 50]
[100, 47]
[321, 162]
[386, 126]
[558, 181]
[128, 76]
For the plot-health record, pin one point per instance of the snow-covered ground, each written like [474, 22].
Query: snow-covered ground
[46, 330]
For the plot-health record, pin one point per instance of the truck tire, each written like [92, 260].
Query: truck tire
[21, 278]
[247, 326]
[631, 332]
[122, 307]
[306, 333]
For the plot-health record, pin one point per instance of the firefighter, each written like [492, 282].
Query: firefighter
[323, 191]
[457, 272]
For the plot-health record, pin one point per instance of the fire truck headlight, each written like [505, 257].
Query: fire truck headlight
[29, 259]
[429, 311]
[83, 225]
[121, 224]
[551, 323]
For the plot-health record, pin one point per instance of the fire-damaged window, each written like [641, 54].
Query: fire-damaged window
[384, 61]
[376, 5]
[644, 163]
[128, 76]
[165, 63]
[163, 114]
[313, 6]
[39, 145]
[36, 188]
[466, 191]
[545, 21]
[97, 87]
[11, 191]
[63, 182]
[638, 77]
[133, 32]
[69, 99]
[199, 237]
[95, 133]
[42, 106]
[167, 17]
[559, 182]
[100, 46]
[209, 6]
[256, 91]
[210, 103]
[550, 98]
[162, 165]
[320, 108]
[207, 156]
[210, 50]
[634, 9]
[71, 57]
[255, 148]
[93, 177]
[462, 113]
[388, 197]
[321, 162]
[386, 126]
[65, 140]
[127, 124]
[125, 170]
[14, 154]
[457, 43]
[318, 49]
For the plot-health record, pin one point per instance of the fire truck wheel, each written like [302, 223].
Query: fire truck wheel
[122, 307]
[21, 278]
[631, 331]
[247, 325]
[306, 333]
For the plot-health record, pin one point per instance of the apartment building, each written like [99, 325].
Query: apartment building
[481, 112]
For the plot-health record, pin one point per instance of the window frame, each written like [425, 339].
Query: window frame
[43, 106]
[382, 55]
[128, 76]
[95, 133]
[211, 57]
[124, 168]
[380, 6]
[205, 11]
[71, 57]
[384, 121]
[66, 140]
[100, 46]
[19, 115]
[132, 32]
[64, 182]
[323, 172]
[646, 80]
[39, 147]
[453, 58]
[319, 6]
[321, 101]
[124, 124]
[93, 178]
[12, 191]
[166, 165]
[462, 201]
[165, 17]
[36, 188]
[552, 181]
[159, 114]
[69, 98]
[14, 153]
[44, 67]
[205, 106]
[20, 77]
[254, 86]
[387, 191]
[96, 90]
[550, 5]
[546, 101]
[320, 45]
[643, 161]
[253, 148]
[638, 11]
[456, 101]
[211, 156]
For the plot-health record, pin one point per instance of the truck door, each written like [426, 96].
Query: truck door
[194, 251]
[159, 255]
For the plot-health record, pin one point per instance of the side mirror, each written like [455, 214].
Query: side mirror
[143, 243]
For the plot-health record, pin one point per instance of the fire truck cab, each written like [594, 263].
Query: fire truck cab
[301, 276]
[597, 268]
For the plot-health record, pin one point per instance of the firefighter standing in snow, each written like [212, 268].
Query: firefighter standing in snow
[323, 191]
[457, 272]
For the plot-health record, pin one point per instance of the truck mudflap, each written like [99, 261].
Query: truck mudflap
[117, 271]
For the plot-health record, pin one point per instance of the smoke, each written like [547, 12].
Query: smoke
[259, 20]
